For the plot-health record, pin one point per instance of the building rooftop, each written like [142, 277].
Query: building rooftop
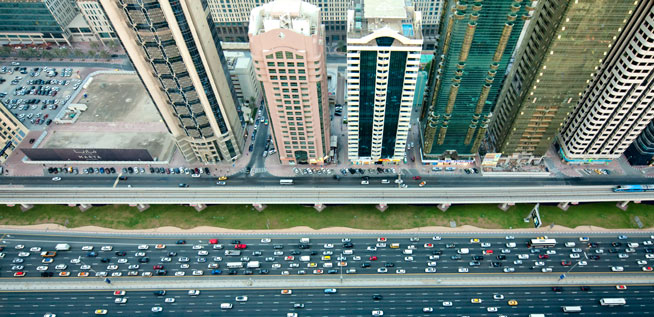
[385, 9]
[295, 15]
[237, 60]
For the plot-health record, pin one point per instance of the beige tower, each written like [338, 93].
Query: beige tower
[287, 45]
[173, 47]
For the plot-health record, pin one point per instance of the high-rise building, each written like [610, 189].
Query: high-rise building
[244, 79]
[287, 45]
[641, 152]
[12, 132]
[177, 55]
[97, 20]
[231, 17]
[478, 39]
[384, 41]
[563, 49]
[35, 21]
[617, 105]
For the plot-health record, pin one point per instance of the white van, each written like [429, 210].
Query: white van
[328, 265]
[570, 244]
[305, 258]
[571, 309]
[226, 306]
[62, 247]
[253, 265]
[305, 240]
[407, 252]
[463, 251]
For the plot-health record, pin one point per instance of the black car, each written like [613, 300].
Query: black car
[92, 254]
[365, 264]
[248, 272]
[348, 245]
[151, 170]
[313, 253]
[160, 272]
[501, 257]
[251, 147]
[377, 297]
[389, 264]
[258, 253]
[594, 257]
[112, 170]
[105, 260]
[236, 242]
[159, 293]
[332, 271]
[207, 171]
[233, 272]
[478, 257]
[278, 246]
[437, 252]
[144, 260]
[294, 252]
[181, 242]
[557, 289]
[121, 253]
[455, 257]
[585, 288]
[303, 246]
[264, 271]
[497, 264]
[616, 244]
[172, 253]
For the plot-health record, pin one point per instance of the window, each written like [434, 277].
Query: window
[271, 64]
[289, 55]
[279, 55]
[281, 64]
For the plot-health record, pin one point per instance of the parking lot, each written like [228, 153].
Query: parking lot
[36, 94]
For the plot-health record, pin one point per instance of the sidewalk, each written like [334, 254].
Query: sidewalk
[324, 281]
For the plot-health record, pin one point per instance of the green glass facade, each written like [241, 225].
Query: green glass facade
[562, 51]
[478, 39]
[33, 17]
[368, 70]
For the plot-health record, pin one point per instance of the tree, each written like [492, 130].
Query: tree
[78, 52]
[92, 53]
[105, 54]
[95, 45]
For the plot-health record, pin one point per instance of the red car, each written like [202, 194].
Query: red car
[543, 256]
[417, 178]
[488, 251]
[240, 246]
[213, 241]
[157, 267]
[373, 258]
[566, 263]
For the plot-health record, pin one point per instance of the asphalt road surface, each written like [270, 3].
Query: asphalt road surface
[282, 255]
[345, 302]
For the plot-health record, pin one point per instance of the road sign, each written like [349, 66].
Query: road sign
[562, 276]
[107, 280]
[535, 215]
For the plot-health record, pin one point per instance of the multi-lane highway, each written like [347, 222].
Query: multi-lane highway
[282, 255]
[441, 301]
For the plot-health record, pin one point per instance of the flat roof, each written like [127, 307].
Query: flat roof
[393, 9]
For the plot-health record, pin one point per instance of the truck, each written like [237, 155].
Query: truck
[62, 247]
[305, 240]
[49, 254]
[253, 265]
[234, 265]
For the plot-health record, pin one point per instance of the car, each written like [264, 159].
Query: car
[180, 242]
[19, 274]
[512, 302]
[159, 293]
[546, 270]
[622, 237]
[463, 270]
[617, 268]
[373, 258]
[121, 300]
[100, 311]
[240, 246]
[491, 309]
[382, 270]
[427, 309]
[106, 248]
[330, 291]
[476, 300]
[157, 309]
[543, 256]
[169, 300]
[143, 247]
[474, 240]
[56, 179]
[575, 255]
[584, 239]
[160, 246]
[400, 271]
[287, 292]
[241, 298]
[621, 287]
[566, 263]
[585, 288]
[378, 313]
[194, 292]
[430, 270]
[119, 293]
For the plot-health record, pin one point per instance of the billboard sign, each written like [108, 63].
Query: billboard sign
[491, 159]
[92, 155]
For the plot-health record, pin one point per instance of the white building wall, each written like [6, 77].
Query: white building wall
[97, 19]
[619, 104]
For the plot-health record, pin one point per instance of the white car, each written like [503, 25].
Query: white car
[574, 255]
[169, 300]
[328, 246]
[198, 272]
[447, 304]
[122, 261]
[523, 256]
[194, 292]
[276, 266]
[157, 309]
[463, 270]
[197, 247]
[408, 258]
[491, 309]
[509, 238]
[584, 239]
[378, 313]
[61, 267]
[356, 258]
[115, 274]
[85, 267]
[112, 267]
[180, 273]
[649, 256]
[382, 270]
[436, 238]
[107, 248]
[517, 262]
[617, 268]
[35, 249]
[143, 247]
[550, 252]
[485, 245]
[19, 247]
[42, 268]
[623, 256]
[641, 262]
[546, 270]
[582, 263]
[430, 270]
[100, 274]
[23, 254]
[87, 248]
[166, 259]
[380, 245]
[400, 271]
[264, 240]
[431, 263]
[511, 245]
[241, 298]
[184, 266]
[120, 300]
[203, 252]
[134, 267]
[74, 261]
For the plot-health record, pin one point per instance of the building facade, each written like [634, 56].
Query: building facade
[35, 21]
[617, 105]
[384, 41]
[97, 20]
[231, 17]
[287, 45]
[564, 46]
[12, 132]
[244, 79]
[641, 151]
[174, 49]
[478, 40]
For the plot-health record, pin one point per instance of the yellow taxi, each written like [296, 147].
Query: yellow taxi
[100, 311]
[222, 178]
[312, 264]
[513, 302]
[476, 300]
[326, 257]
[474, 240]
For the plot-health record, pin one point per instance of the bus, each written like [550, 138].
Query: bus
[571, 309]
[613, 301]
[285, 182]
[541, 243]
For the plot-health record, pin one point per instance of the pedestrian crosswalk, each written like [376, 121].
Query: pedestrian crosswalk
[260, 170]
